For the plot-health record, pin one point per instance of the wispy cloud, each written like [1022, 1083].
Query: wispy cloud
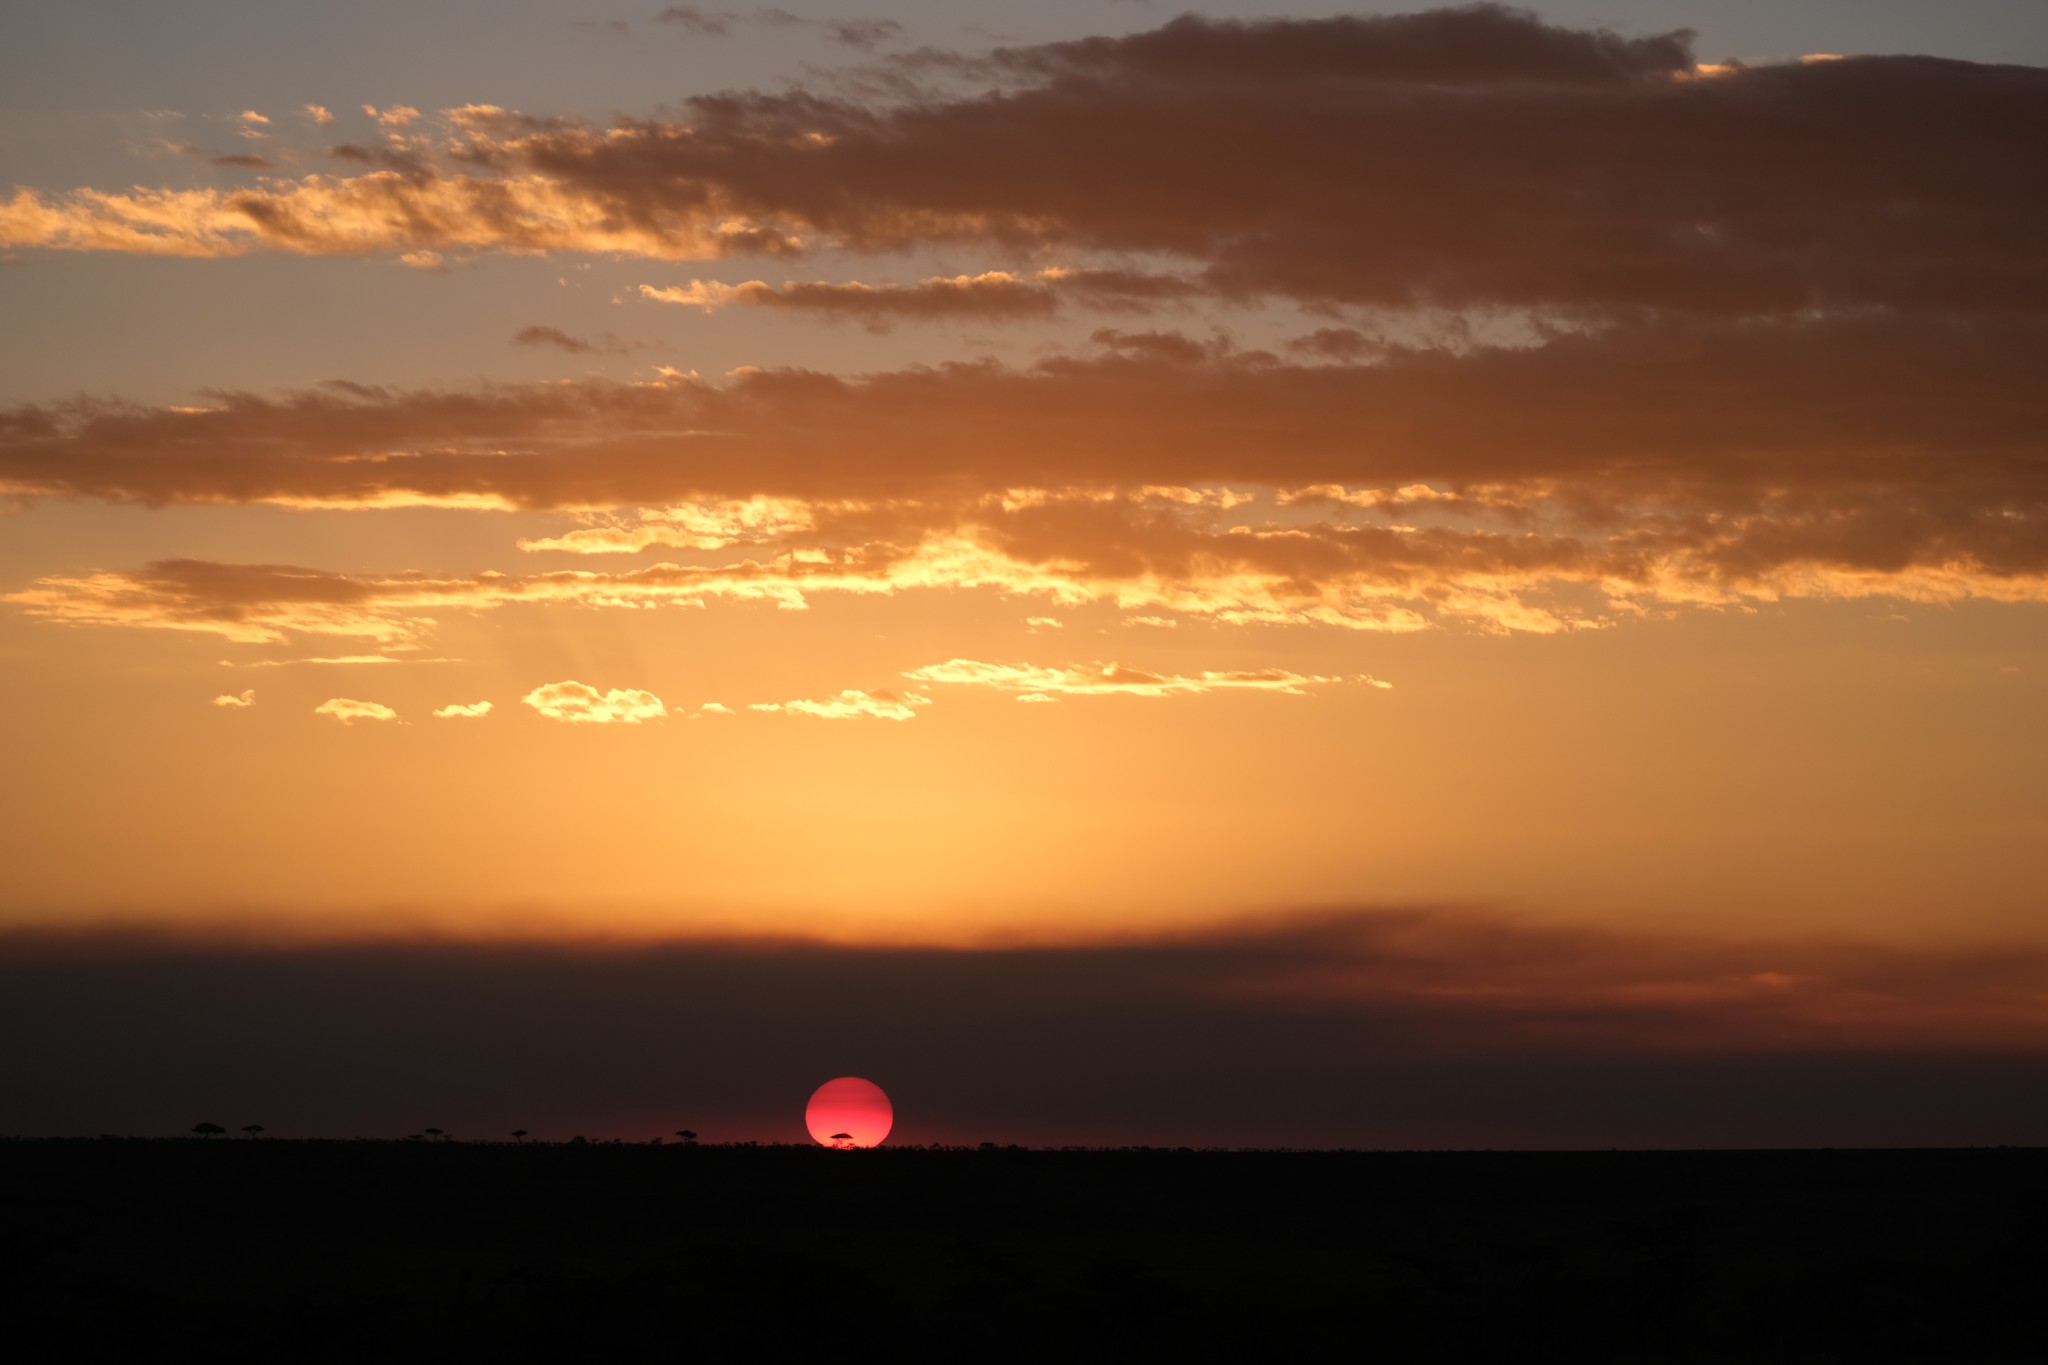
[463, 711]
[237, 700]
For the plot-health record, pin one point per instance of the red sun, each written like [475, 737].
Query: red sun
[849, 1112]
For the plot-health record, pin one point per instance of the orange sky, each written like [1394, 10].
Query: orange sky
[1082, 491]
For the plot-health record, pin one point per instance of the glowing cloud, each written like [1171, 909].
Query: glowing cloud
[347, 710]
[458, 710]
[851, 704]
[238, 700]
[1036, 684]
[581, 704]
[702, 526]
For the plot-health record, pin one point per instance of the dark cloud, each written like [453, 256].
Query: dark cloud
[538, 335]
[1384, 1028]
[1474, 45]
[1470, 157]
[542, 335]
[243, 161]
[1460, 157]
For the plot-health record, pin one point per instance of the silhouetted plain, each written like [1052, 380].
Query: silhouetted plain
[349, 1251]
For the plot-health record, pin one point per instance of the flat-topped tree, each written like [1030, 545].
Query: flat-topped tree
[252, 1129]
[207, 1130]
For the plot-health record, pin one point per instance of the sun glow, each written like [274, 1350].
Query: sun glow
[849, 1112]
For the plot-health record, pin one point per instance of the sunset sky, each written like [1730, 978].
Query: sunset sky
[1313, 575]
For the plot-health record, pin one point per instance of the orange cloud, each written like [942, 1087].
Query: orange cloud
[880, 704]
[237, 700]
[581, 704]
[337, 659]
[347, 710]
[1037, 684]
[382, 212]
[457, 710]
[992, 296]
[1868, 442]
[713, 525]
[1321, 555]
[995, 294]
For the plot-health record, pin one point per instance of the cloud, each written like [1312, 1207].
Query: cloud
[863, 34]
[1528, 558]
[241, 162]
[320, 114]
[581, 704]
[712, 525]
[394, 116]
[1897, 414]
[701, 23]
[551, 336]
[993, 295]
[1453, 158]
[458, 710]
[539, 335]
[880, 704]
[1392, 1027]
[347, 710]
[1038, 684]
[237, 701]
[338, 659]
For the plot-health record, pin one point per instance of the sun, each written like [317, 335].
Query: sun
[849, 1112]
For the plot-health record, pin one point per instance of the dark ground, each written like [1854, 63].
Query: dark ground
[361, 1251]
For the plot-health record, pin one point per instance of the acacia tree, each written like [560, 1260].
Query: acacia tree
[844, 1140]
[252, 1129]
[207, 1130]
[519, 1135]
[689, 1138]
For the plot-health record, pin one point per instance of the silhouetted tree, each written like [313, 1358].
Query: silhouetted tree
[689, 1138]
[252, 1129]
[519, 1135]
[207, 1130]
[436, 1133]
[842, 1140]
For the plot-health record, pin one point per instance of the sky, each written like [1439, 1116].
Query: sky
[1297, 575]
